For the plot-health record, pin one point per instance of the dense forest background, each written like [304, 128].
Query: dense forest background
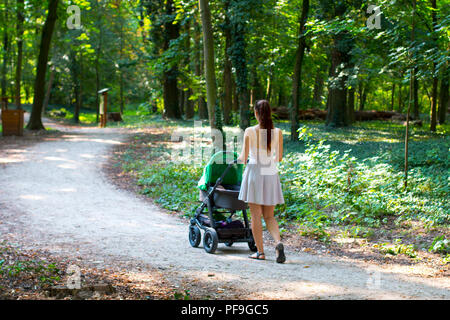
[309, 54]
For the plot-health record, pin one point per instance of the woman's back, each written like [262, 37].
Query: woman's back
[258, 150]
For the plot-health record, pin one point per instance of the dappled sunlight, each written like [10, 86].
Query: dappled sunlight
[68, 166]
[12, 155]
[67, 190]
[34, 197]
[57, 159]
[303, 278]
[85, 138]
[87, 156]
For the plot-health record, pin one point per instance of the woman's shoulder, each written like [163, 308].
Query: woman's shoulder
[276, 129]
[250, 129]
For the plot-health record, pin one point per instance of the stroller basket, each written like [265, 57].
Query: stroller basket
[231, 231]
[232, 234]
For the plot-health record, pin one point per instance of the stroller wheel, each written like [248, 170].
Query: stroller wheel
[252, 246]
[229, 244]
[194, 236]
[210, 240]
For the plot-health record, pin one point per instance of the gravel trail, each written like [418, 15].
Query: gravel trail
[54, 196]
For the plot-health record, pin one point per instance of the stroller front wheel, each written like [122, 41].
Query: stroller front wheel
[194, 236]
[210, 240]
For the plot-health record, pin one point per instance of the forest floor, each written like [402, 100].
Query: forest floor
[58, 207]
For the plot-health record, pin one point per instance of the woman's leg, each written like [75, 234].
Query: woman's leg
[256, 212]
[271, 222]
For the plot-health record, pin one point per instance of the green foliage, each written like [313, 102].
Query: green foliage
[47, 273]
[440, 245]
[397, 248]
[345, 190]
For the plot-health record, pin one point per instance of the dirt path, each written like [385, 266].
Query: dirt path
[54, 196]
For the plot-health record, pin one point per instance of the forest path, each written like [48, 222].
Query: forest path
[54, 196]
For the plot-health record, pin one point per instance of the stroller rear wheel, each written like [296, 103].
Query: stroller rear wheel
[252, 246]
[229, 244]
[210, 240]
[194, 235]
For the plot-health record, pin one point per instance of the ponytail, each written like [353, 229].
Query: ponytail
[264, 112]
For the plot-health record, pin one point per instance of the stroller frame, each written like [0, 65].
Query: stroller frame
[213, 234]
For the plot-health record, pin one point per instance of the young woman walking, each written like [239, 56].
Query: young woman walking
[261, 187]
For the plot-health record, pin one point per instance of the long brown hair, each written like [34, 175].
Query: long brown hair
[264, 112]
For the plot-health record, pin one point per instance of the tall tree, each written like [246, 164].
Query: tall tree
[227, 69]
[188, 105]
[6, 45]
[342, 43]
[411, 94]
[210, 73]
[444, 93]
[297, 75]
[170, 77]
[35, 122]
[434, 90]
[239, 17]
[20, 20]
[165, 30]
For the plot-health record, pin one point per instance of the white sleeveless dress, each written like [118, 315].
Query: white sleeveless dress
[261, 182]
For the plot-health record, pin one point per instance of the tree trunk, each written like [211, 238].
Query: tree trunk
[433, 117]
[411, 84]
[297, 75]
[79, 97]
[202, 110]
[362, 96]
[49, 89]
[392, 96]
[399, 106]
[210, 74]
[227, 73]
[337, 105]
[351, 105]
[235, 96]
[318, 89]
[97, 62]
[188, 106]
[20, 20]
[35, 122]
[239, 61]
[416, 95]
[170, 77]
[5, 52]
[444, 94]
[76, 82]
[121, 81]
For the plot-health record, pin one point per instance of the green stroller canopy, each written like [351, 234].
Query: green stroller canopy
[216, 166]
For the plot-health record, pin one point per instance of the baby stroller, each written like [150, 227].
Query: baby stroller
[219, 191]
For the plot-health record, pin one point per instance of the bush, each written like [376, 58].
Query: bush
[351, 191]
[440, 245]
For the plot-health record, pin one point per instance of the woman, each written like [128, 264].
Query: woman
[261, 187]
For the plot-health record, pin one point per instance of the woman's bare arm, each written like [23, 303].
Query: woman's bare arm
[280, 145]
[245, 148]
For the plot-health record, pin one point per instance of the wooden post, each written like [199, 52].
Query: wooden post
[12, 120]
[103, 107]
